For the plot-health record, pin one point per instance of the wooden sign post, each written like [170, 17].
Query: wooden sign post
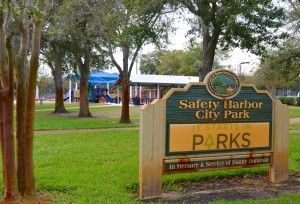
[218, 124]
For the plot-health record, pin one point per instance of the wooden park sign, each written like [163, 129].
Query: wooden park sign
[218, 124]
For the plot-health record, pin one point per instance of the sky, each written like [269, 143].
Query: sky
[238, 58]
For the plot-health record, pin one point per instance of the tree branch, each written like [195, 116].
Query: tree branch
[133, 59]
[110, 53]
[190, 7]
[297, 11]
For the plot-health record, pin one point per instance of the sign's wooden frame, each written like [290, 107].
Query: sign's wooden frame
[152, 144]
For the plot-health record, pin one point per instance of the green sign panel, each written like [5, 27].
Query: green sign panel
[218, 116]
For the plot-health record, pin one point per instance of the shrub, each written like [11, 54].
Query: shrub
[298, 101]
[283, 99]
[288, 100]
[291, 101]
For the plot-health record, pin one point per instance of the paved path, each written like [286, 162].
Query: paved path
[82, 130]
[294, 120]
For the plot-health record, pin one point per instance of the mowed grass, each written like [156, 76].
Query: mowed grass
[90, 167]
[294, 152]
[102, 166]
[104, 116]
[294, 111]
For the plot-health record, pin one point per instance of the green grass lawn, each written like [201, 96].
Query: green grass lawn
[294, 111]
[90, 167]
[102, 166]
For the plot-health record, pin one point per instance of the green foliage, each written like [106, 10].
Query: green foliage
[280, 67]
[172, 62]
[297, 101]
[175, 62]
[246, 24]
[283, 99]
[132, 22]
[150, 62]
[251, 25]
[3, 6]
[291, 101]
[287, 100]
[69, 34]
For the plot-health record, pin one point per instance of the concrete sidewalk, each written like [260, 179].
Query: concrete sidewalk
[294, 120]
[82, 130]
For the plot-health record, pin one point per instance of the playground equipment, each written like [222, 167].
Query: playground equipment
[94, 95]
[67, 96]
[75, 95]
[107, 97]
[102, 93]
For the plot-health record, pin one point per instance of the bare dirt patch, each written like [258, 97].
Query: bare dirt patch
[243, 187]
[75, 115]
[65, 115]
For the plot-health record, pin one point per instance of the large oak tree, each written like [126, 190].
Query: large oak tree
[281, 67]
[126, 26]
[53, 52]
[75, 24]
[251, 25]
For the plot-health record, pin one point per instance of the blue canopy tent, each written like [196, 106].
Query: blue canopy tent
[103, 78]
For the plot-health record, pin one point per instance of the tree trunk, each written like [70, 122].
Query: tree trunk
[125, 98]
[34, 65]
[84, 75]
[209, 49]
[1, 129]
[125, 85]
[19, 179]
[84, 100]
[59, 100]
[11, 194]
[22, 87]
[21, 128]
[59, 91]
[272, 90]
